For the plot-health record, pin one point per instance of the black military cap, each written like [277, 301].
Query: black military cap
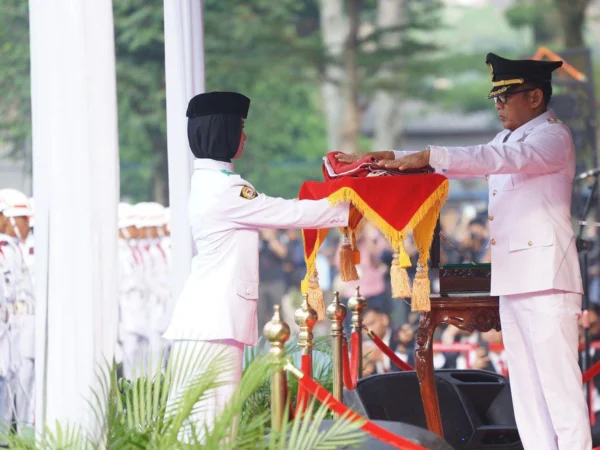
[507, 73]
[211, 103]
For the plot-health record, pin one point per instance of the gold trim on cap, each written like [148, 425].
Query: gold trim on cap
[498, 91]
[505, 82]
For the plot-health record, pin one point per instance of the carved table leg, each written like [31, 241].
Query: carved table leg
[426, 374]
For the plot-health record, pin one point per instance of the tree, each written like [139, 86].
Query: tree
[15, 102]
[373, 49]
[139, 46]
[539, 15]
[388, 128]
[572, 15]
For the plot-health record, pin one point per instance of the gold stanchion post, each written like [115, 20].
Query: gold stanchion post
[336, 312]
[306, 318]
[357, 305]
[277, 333]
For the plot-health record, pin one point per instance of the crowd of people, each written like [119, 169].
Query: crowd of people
[144, 297]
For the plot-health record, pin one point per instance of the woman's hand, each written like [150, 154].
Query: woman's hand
[350, 158]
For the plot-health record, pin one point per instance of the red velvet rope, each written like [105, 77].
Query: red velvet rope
[591, 372]
[389, 352]
[346, 367]
[369, 427]
[303, 397]
[354, 357]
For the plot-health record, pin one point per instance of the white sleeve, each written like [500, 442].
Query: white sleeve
[271, 212]
[541, 152]
[438, 157]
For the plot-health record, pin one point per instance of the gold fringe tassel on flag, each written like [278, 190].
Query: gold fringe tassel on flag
[422, 225]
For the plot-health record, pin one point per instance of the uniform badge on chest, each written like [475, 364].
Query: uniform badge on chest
[248, 193]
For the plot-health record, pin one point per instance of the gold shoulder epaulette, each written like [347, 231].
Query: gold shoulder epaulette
[554, 120]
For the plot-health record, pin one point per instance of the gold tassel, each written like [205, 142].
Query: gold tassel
[404, 259]
[400, 280]
[347, 268]
[421, 290]
[315, 296]
[355, 251]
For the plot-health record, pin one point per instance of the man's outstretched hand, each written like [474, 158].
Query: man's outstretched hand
[413, 161]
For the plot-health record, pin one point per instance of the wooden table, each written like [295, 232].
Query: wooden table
[467, 311]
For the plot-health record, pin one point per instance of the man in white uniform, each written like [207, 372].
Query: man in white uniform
[535, 269]
[216, 311]
[150, 217]
[14, 226]
[133, 310]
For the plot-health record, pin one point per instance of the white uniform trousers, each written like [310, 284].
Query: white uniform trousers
[540, 334]
[213, 404]
[7, 372]
[24, 389]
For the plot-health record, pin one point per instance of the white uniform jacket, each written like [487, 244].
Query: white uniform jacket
[219, 298]
[530, 178]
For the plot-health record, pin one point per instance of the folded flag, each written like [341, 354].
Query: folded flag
[366, 167]
[396, 205]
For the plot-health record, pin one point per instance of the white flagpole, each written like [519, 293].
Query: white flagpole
[76, 189]
[184, 66]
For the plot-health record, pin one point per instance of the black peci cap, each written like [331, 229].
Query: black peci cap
[507, 73]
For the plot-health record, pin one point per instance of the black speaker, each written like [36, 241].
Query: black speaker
[416, 435]
[475, 405]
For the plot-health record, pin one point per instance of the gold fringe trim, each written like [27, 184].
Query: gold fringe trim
[435, 200]
[421, 291]
[355, 251]
[422, 224]
[347, 269]
[404, 258]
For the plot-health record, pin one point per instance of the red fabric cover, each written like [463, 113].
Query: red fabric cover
[394, 199]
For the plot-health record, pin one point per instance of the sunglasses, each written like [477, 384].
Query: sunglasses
[503, 98]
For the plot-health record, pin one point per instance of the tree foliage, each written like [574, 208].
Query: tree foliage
[15, 103]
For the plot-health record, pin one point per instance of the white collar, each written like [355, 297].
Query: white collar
[549, 114]
[212, 164]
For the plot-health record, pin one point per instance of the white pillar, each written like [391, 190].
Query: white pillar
[76, 189]
[184, 64]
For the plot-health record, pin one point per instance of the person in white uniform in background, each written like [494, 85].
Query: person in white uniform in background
[133, 310]
[29, 244]
[14, 225]
[530, 168]
[165, 240]
[7, 367]
[216, 311]
[150, 219]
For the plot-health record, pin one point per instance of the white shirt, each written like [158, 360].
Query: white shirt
[219, 298]
[530, 188]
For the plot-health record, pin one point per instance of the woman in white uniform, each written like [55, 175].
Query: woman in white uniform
[216, 311]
